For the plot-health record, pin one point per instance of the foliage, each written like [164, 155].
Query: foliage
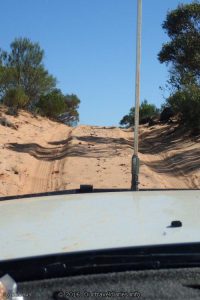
[52, 104]
[147, 111]
[167, 112]
[186, 103]
[183, 50]
[23, 67]
[58, 106]
[16, 97]
[71, 115]
[182, 53]
[25, 83]
[7, 79]
[128, 120]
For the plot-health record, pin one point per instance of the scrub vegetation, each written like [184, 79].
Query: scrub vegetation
[25, 83]
[182, 56]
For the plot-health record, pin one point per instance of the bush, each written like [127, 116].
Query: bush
[52, 104]
[147, 112]
[166, 114]
[186, 103]
[16, 98]
[71, 115]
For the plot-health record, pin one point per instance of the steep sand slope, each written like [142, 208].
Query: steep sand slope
[42, 155]
[28, 160]
[102, 157]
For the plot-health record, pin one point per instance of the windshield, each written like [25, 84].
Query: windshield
[71, 124]
[66, 85]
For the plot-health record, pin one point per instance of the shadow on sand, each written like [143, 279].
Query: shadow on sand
[154, 142]
[86, 146]
[167, 139]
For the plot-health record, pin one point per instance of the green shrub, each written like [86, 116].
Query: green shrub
[128, 120]
[52, 104]
[16, 97]
[186, 103]
[147, 111]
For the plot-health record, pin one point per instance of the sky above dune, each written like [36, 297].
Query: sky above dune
[90, 47]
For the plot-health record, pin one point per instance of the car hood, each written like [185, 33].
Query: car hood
[83, 222]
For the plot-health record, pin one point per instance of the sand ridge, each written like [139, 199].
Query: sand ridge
[42, 155]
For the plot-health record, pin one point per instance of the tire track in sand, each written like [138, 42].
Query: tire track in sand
[48, 174]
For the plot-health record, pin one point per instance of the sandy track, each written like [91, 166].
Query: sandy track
[46, 156]
[48, 172]
[102, 156]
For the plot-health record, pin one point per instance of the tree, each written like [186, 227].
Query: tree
[7, 80]
[71, 115]
[52, 104]
[167, 113]
[16, 98]
[128, 120]
[147, 111]
[182, 52]
[61, 107]
[23, 67]
[186, 104]
[25, 83]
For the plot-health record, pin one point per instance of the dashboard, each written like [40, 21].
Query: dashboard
[151, 284]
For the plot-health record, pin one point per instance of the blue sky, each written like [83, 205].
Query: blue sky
[90, 47]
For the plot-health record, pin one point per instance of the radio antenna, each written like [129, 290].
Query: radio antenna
[135, 158]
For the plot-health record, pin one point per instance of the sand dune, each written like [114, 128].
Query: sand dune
[42, 155]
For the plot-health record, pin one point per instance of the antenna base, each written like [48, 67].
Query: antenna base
[135, 173]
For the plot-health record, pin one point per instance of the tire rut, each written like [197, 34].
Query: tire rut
[48, 175]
